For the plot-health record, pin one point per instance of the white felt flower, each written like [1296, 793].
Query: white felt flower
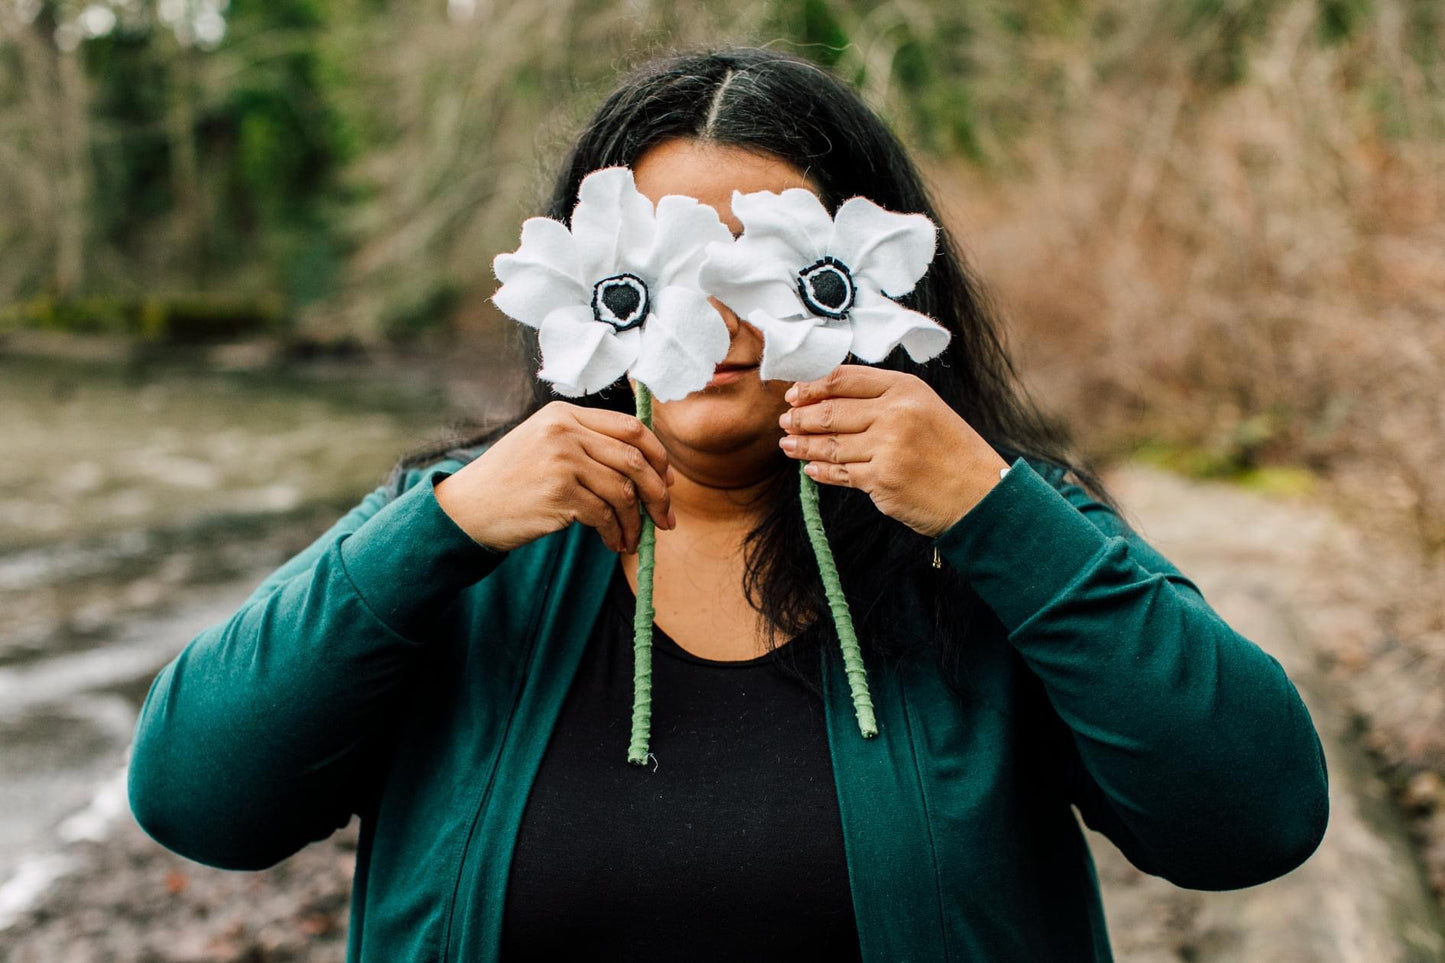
[819, 287]
[618, 292]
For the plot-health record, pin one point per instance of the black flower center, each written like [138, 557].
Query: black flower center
[620, 301]
[826, 287]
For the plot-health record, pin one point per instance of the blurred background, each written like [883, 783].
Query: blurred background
[245, 260]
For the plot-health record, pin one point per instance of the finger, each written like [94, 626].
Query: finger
[594, 512]
[618, 491]
[826, 473]
[626, 428]
[836, 449]
[629, 460]
[844, 381]
[831, 415]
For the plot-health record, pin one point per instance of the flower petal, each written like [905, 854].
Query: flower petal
[685, 227]
[681, 344]
[752, 275]
[796, 216]
[541, 275]
[880, 325]
[613, 224]
[581, 355]
[800, 350]
[891, 250]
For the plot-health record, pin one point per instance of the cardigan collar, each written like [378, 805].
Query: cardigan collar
[886, 829]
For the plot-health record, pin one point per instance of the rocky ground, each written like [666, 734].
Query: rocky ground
[1300, 584]
[140, 503]
[133, 900]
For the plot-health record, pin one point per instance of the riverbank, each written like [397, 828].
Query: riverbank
[126, 898]
[141, 500]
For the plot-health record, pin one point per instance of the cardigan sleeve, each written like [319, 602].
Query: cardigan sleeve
[1194, 752]
[250, 743]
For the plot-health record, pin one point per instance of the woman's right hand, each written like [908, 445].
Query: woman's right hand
[564, 464]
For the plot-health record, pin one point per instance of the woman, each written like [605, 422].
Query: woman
[452, 660]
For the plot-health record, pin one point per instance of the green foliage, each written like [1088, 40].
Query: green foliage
[424, 313]
[927, 88]
[932, 77]
[219, 165]
[1339, 19]
[1213, 465]
[132, 163]
[821, 33]
[1221, 35]
[176, 319]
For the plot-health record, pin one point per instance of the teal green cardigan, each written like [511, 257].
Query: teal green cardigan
[399, 671]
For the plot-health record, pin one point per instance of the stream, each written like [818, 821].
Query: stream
[140, 504]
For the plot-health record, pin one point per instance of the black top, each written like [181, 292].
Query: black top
[727, 845]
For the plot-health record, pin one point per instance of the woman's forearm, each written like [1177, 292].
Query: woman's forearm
[1198, 756]
[246, 748]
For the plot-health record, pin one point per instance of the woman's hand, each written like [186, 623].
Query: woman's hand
[889, 434]
[564, 464]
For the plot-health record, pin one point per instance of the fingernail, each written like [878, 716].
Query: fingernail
[791, 395]
[670, 477]
[671, 519]
[787, 420]
[789, 444]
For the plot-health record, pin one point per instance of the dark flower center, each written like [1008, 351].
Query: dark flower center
[826, 287]
[620, 301]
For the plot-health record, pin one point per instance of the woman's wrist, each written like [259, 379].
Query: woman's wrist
[974, 488]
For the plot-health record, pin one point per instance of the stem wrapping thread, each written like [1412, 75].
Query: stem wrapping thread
[637, 750]
[642, 618]
[837, 605]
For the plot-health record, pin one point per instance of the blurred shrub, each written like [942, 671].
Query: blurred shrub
[177, 319]
[1244, 264]
[423, 316]
[142, 149]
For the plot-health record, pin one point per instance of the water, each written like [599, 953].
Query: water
[138, 506]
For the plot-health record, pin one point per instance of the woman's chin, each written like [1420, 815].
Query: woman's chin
[722, 419]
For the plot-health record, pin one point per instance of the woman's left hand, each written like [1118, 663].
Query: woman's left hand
[890, 435]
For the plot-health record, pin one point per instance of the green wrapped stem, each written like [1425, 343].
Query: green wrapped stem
[642, 618]
[838, 605]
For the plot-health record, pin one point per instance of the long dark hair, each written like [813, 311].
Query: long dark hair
[764, 100]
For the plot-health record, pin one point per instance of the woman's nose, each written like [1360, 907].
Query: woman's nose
[729, 318]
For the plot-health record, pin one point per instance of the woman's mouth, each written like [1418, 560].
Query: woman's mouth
[727, 373]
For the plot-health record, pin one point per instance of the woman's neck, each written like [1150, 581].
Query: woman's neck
[717, 502]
